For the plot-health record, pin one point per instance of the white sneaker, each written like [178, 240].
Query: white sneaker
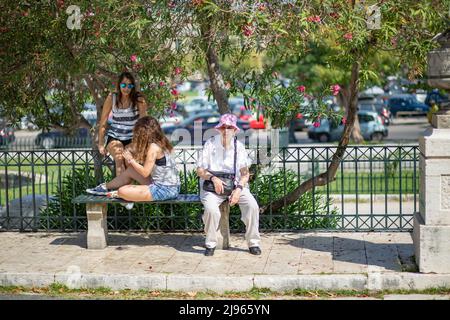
[128, 206]
[99, 190]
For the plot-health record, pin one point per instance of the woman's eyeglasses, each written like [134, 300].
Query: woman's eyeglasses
[124, 85]
[225, 127]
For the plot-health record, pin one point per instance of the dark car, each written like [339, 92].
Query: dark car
[406, 104]
[185, 132]
[7, 135]
[81, 138]
[438, 97]
[380, 108]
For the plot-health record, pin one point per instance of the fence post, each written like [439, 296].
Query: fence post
[431, 233]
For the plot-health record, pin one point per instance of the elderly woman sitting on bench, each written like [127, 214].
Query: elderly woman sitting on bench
[223, 168]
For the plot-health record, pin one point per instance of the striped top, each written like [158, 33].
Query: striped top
[123, 121]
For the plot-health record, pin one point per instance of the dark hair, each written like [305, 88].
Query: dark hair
[134, 94]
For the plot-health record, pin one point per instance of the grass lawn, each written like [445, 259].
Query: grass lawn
[61, 291]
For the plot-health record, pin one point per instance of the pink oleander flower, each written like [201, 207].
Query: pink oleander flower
[301, 88]
[133, 58]
[173, 106]
[174, 92]
[344, 120]
[247, 30]
[177, 70]
[313, 19]
[316, 124]
[335, 88]
[348, 36]
[161, 83]
[299, 116]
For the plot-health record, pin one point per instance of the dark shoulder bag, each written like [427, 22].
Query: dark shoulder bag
[227, 178]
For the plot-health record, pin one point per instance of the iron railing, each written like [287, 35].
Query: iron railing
[376, 188]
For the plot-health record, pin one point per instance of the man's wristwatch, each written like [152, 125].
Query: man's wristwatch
[239, 186]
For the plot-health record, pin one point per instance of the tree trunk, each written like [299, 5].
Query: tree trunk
[343, 99]
[329, 175]
[96, 91]
[215, 74]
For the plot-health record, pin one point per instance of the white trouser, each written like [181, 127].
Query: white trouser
[249, 215]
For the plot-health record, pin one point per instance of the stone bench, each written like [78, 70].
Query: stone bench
[96, 213]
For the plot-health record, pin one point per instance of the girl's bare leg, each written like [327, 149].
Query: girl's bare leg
[135, 193]
[126, 178]
[115, 148]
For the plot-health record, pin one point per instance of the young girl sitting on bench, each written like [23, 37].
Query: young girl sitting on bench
[149, 163]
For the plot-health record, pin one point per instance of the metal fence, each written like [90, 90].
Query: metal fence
[376, 188]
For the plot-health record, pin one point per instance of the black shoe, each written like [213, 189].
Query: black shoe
[255, 250]
[209, 252]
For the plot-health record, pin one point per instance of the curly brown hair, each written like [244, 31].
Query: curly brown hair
[147, 131]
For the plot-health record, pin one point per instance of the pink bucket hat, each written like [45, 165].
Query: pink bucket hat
[228, 119]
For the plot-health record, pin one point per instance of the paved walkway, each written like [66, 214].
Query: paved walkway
[175, 261]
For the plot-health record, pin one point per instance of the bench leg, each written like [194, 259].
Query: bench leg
[223, 236]
[97, 226]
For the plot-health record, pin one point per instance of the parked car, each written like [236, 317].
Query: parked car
[435, 95]
[208, 120]
[406, 104]
[59, 139]
[370, 122]
[379, 108]
[7, 135]
[196, 106]
[170, 118]
[27, 124]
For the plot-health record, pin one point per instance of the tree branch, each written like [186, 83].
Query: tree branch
[329, 175]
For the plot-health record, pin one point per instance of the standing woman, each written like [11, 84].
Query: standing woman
[127, 106]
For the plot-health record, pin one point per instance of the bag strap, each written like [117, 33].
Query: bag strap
[235, 156]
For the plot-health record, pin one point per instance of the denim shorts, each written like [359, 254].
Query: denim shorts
[162, 192]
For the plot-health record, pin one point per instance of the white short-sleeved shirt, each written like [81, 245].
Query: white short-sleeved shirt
[214, 157]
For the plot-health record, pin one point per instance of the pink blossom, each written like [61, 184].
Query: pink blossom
[133, 58]
[242, 108]
[247, 30]
[299, 116]
[394, 41]
[316, 124]
[177, 70]
[173, 105]
[344, 120]
[161, 83]
[174, 92]
[313, 19]
[348, 36]
[301, 88]
[335, 88]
